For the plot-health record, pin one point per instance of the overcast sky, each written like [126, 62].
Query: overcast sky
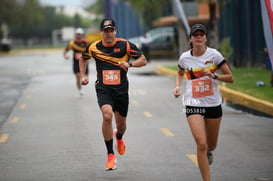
[66, 3]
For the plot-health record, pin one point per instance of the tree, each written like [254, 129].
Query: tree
[149, 10]
[27, 19]
[7, 8]
[77, 20]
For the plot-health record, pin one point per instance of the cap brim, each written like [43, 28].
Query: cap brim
[198, 29]
[105, 27]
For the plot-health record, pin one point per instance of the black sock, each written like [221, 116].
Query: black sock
[119, 136]
[109, 146]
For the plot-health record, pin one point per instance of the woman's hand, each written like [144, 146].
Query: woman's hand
[176, 92]
[207, 72]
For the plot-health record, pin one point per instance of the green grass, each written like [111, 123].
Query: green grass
[245, 82]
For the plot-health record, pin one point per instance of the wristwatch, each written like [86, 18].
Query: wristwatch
[215, 76]
[130, 64]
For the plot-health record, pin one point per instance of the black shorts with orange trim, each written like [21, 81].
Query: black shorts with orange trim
[207, 112]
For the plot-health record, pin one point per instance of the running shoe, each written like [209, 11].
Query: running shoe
[81, 92]
[210, 157]
[120, 145]
[111, 162]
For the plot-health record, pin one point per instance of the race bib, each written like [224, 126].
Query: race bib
[202, 88]
[111, 77]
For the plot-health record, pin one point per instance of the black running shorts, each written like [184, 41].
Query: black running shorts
[76, 67]
[119, 103]
[207, 112]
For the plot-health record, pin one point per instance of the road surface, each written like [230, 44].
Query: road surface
[49, 133]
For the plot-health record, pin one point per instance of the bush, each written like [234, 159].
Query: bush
[226, 48]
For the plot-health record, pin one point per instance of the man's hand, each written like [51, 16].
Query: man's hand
[84, 80]
[176, 92]
[66, 57]
[124, 65]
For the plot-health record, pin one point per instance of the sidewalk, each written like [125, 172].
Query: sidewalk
[232, 96]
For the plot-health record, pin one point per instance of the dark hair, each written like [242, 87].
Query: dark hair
[190, 45]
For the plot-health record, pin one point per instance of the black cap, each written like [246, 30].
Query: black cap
[107, 23]
[198, 27]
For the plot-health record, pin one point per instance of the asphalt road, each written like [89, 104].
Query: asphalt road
[49, 133]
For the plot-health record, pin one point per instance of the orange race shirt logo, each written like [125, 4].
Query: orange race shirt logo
[117, 50]
[111, 77]
[202, 88]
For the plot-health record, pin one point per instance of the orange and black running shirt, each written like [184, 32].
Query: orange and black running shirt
[78, 46]
[110, 77]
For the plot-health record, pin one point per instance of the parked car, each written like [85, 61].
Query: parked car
[161, 41]
[5, 45]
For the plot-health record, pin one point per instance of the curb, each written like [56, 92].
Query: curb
[232, 95]
[25, 51]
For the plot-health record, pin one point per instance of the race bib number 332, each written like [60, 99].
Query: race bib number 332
[111, 77]
[202, 88]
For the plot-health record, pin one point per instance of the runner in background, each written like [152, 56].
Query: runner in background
[77, 45]
[202, 97]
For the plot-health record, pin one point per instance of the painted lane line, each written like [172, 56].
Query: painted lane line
[193, 158]
[4, 138]
[166, 132]
[15, 119]
[135, 102]
[264, 179]
[28, 97]
[148, 114]
[23, 106]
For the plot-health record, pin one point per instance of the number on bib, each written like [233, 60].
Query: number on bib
[111, 77]
[202, 88]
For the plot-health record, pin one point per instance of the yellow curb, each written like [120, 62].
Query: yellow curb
[232, 95]
[26, 51]
[246, 100]
[165, 71]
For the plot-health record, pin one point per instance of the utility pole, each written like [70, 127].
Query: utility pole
[213, 24]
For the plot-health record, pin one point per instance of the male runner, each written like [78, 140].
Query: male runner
[112, 63]
[77, 45]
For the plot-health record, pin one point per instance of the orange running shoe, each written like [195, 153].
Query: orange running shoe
[120, 145]
[111, 162]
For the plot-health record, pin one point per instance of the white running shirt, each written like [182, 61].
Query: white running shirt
[201, 91]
